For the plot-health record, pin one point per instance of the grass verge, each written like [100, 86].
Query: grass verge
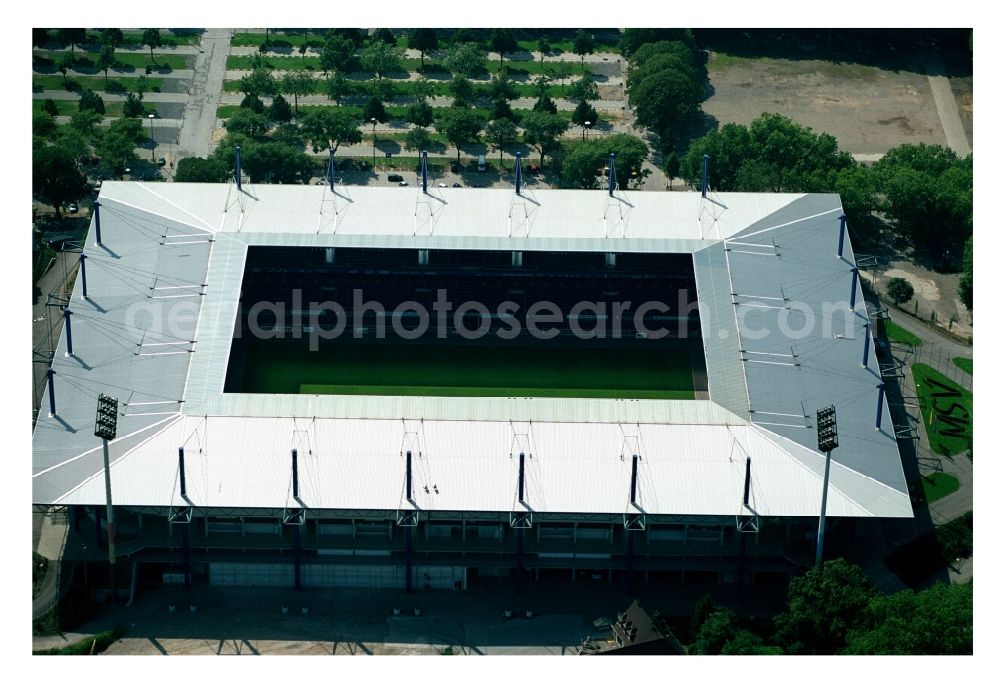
[94, 645]
[938, 485]
[946, 408]
[963, 363]
[897, 334]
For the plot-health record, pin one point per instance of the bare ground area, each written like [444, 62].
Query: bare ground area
[869, 110]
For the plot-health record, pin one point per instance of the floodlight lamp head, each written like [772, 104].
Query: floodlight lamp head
[826, 429]
[106, 426]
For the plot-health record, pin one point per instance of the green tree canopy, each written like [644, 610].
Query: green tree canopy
[583, 43]
[823, 605]
[91, 101]
[462, 91]
[279, 111]
[423, 40]
[935, 621]
[259, 82]
[339, 87]
[384, 35]
[420, 114]
[84, 121]
[245, 121]
[633, 38]
[327, 126]
[55, 177]
[965, 281]
[582, 161]
[584, 113]
[501, 86]
[544, 104]
[201, 170]
[542, 132]
[116, 149]
[39, 37]
[337, 54]
[112, 36]
[381, 58]
[672, 166]
[501, 133]
[298, 83]
[49, 106]
[64, 63]
[132, 106]
[71, 37]
[899, 290]
[503, 41]
[665, 100]
[106, 59]
[374, 109]
[466, 59]
[253, 102]
[417, 139]
[151, 38]
[460, 126]
[583, 90]
[43, 124]
[269, 162]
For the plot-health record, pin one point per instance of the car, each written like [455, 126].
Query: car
[456, 185]
[442, 185]
[73, 208]
[395, 178]
[403, 184]
[162, 161]
[481, 166]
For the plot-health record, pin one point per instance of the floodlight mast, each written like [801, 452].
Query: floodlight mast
[106, 427]
[826, 437]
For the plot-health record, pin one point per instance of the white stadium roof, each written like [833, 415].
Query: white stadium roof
[182, 247]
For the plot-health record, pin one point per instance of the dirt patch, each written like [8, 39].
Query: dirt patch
[868, 109]
[934, 295]
[962, 88]
[923, 289]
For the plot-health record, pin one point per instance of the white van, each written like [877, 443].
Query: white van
[482, 163]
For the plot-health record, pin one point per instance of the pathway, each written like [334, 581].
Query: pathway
[947, 107]
[203, 98]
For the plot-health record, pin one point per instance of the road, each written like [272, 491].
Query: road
[947, 107]
[206, 88]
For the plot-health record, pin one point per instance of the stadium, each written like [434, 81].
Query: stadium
[420, 387]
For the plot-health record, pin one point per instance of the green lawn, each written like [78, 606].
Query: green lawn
[126, 59]
[297, 62]
[898, 334]
[421, 369]
[938, 485]
[111, 108]
[946, 408]
[93, 83]
[963, 363]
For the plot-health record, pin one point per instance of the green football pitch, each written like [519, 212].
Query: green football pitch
[622, 371]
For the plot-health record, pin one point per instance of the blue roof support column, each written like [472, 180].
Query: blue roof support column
[520, 478]
[97, 222]
[517, 173]
[329, 169]
[180, 471]
[239, 170]
[843, 228]
[423, 170]
[52, 391]
[704, 175]
[83, 273]
[295, 474]
[854, 287]
[69, 331]
[868, 335]
[746, 485]
[409, 474]
[612, 178]
[878, 409]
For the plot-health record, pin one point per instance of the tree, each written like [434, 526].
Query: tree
[253, 102]
[73, 143]
[201, 170]
[935, 621]
[663, 101]
[584, 113]
[50, 107]
[64, 62]
[715, 632]
[417, 139]
[502, 110]
[461, 91]
[279, 110]
[460, 126]
[132, 106]
[965, 281]
[384, 35]
[324, 127]
[674, 48]
[823, 605]
[133, 130]
[42, 124]
[112, 36]
[381, 58]
[71, 37]
[583, 44]
[276, 163]
[91, 101]
[245, 121]
[582, 161]
[543, 48]
[84, 120]
[39, 37]
[703, 607]
[423, 40]
[298, 83]
[583, 90]
[899, 290]
[672, 167]
[466, 59]
[55, 177]
[420, 114]
[421, 89]
[151, 38]
[353, 35]
[464, 35]
[337, 54]
[382, 89]
[106, 59]
[259, 82]
[633, 38]
[544, 104]
[117, 150]
[500, 133]
[542, 131]
[503, 41]
[339, 87]
[374, 109]
[501, 87]
[657, 63]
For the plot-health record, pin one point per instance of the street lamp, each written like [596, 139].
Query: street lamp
[827, 440]
[106, 427]
[586, 126]
[152, 150]
[373, 121]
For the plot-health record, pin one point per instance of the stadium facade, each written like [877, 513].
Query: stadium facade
[240, 487]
